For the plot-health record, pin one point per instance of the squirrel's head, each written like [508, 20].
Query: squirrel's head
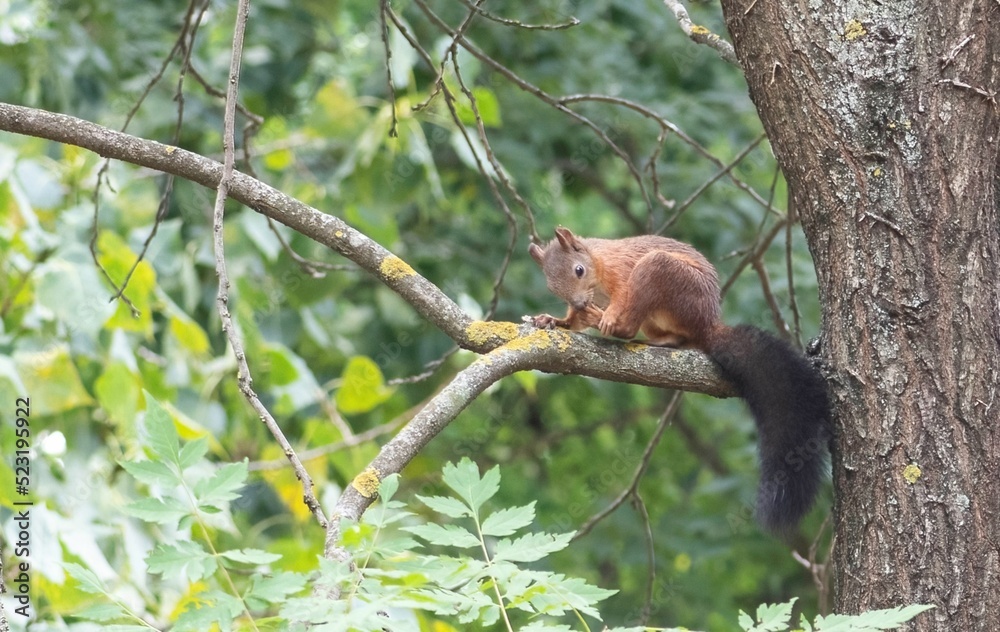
[568, 267]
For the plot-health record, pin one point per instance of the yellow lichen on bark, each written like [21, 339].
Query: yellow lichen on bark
[480, 332]
[367, 482]
[393, 268]
[541, 339]
[853, 30]
[911, 473]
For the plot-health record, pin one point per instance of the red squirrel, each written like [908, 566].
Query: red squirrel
[670, 292]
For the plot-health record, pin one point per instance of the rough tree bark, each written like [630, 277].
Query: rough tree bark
[884, 118]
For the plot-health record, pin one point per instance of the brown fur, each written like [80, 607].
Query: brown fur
[655, 285]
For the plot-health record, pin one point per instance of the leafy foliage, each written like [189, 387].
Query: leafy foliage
[191, 499]
[480, 585]
[776, 617]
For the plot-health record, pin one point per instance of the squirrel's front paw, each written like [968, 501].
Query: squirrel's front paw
[607, 325]
[542, 321]
[591, 315]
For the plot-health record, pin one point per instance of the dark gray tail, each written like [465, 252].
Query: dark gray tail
[788, 399]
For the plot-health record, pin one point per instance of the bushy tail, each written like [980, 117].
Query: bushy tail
[788, 399]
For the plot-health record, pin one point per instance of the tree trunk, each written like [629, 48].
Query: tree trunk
[883, 117]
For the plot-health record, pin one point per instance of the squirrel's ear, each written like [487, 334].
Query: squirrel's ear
[537, 253]
[566, 238]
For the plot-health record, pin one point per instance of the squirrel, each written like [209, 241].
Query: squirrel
[670, 292]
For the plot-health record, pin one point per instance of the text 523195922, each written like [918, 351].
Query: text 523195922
[22, 519]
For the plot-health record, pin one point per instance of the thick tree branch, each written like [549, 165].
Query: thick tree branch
[432, 419]
[578, 354]
[555, 351]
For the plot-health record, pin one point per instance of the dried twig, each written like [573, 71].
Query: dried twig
[244, 378]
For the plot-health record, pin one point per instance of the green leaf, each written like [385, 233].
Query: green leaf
[160, 511]
[771, 617]
[163, 440]
[362, 387]
[151, 472]
[465, 481]
[192, 452]
[387, 488]
[189, 334]
[275, 588]
[553, 594]
[531, 547]
[250, 556]
[217, 490]
[88, 580]
[103, 612]
[52, 379]
[445, 535]
[282, 369]
[486, 103]
[446, 505]
[888, 619]
[507, 521]
[185, 559]
[539, 625]
[118, 392]
[216, 611]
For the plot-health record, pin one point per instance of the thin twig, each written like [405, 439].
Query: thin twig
[244, 378]
[497, 169]
[772, 302]
[664, 422]
[508, 22]
[950, 57]
[647, 536]
[187, 46]
[704, 186]
[501, 175]
[383, 8]
[541, 94]
[892, 225]
[15, 288]
[666, 125]
[182, 43]
[763, 244]
[793, 303]
[700, 34]
[989, 95]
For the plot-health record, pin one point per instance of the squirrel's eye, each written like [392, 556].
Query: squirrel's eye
[579, 271]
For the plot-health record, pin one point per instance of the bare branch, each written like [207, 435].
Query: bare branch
[244, 378]
[666, 125]
[701, 34]
[529, 27]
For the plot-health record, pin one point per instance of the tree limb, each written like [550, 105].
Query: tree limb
[578, 354]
